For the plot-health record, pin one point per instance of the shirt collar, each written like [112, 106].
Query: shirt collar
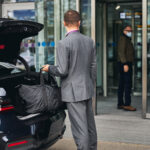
[72, 32]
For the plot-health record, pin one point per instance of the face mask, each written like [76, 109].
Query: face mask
[129, 34]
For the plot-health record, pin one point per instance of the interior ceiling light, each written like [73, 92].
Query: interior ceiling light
[117, 7]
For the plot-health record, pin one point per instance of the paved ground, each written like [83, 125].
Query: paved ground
[117, 129]
[68, 144]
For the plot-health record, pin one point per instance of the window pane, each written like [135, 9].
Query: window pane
[49, 53]
[65, 6]
[85, 9]
[22, 14]
[45, 39]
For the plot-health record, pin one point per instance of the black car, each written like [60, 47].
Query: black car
[19, 130]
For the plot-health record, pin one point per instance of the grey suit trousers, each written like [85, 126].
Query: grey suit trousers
[83, 124]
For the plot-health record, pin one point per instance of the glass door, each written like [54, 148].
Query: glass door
[137, 76]
[119, 14]
[99, 48]
[110, 18]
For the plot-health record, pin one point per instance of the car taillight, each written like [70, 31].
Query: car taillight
[6, 108]
[2, 46]
[5, 104]
[17, 143]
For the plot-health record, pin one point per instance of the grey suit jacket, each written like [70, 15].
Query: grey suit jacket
[76, 65]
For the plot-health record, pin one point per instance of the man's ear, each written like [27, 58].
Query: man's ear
[79, 23]
[65, 24]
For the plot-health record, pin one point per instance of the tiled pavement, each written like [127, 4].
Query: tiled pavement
[117, 129]
[68, 144]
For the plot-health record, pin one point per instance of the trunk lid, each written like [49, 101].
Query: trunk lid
[12, 32]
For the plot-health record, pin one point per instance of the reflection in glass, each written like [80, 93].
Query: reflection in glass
[45, 39]
[22, 14]
[49, 39]
[85, 17]
[99, 48]
[27, 51]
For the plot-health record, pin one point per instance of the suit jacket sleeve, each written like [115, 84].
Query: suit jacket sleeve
[62, 60]
[121, 50]
[93, 64]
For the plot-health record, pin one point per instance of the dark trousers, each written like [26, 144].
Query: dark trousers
[125, 85]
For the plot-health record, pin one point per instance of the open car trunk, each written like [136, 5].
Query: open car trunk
[10, 81]
[12, 33]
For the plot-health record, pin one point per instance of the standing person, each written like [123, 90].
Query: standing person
[125, 58]
[76, 65]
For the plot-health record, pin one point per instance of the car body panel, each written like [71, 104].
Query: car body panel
[42, 129]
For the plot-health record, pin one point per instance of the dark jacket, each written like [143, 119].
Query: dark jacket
[125, 50]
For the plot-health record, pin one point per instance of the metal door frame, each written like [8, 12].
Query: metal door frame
[144, 59]
[93, 36]
[105, 50]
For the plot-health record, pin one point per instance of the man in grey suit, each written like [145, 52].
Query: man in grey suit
[76, 65]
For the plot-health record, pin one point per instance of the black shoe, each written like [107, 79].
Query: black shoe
[120, 107]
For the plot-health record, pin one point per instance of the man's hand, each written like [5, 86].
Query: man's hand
[45, 68]
[126, 68]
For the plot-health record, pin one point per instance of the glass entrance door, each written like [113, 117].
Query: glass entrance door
[118, 15]
[110, 18]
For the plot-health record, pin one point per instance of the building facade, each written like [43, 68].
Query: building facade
[102, 20]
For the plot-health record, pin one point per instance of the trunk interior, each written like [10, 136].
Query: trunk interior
[10, 83]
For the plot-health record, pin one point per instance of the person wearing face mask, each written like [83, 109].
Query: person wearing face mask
[125, 62]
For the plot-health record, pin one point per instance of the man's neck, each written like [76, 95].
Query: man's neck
[72, 29]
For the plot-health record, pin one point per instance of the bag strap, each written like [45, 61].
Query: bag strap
[52, 80]
[41, 77]
[44, 92]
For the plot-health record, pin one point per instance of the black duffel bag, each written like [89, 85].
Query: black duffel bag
[40, 98]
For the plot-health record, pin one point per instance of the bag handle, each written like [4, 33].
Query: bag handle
[41, 77]
[43, 88]
[52, 80]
